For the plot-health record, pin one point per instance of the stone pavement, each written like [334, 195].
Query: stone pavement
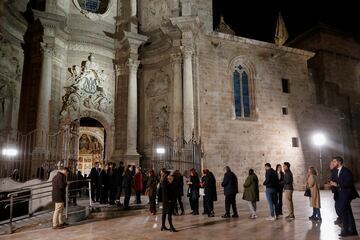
[145, 226]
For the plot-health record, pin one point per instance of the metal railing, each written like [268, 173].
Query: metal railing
[15, 198]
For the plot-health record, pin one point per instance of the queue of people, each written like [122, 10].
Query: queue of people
[108, 183]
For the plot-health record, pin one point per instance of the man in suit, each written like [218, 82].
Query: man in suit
[346, 192]
[230, 185]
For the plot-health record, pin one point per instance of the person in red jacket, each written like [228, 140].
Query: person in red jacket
[138, 184]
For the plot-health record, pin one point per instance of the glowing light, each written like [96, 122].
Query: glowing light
[160, 150]
[9, 152]
[319, 139]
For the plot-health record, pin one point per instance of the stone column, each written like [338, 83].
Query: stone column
[42, 120]
[176, 131]
[188, 94]
[133, 8]
[132, 109]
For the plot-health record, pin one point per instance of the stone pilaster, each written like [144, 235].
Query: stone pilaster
[188, 94]
[132, 114]
[177, 98]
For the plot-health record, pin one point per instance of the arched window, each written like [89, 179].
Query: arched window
[94, 6]
[242, 98]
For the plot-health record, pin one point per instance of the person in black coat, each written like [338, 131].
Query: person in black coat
[169, 198]
[104, 185]
[113, 182]
[346, 192]
[179, 191]
[209, 185]
[230, 185]
[333, 177]
[58, 196]
[127, 185]
[193, 192]
[120, 173]
[94, 180]
[271, 182]
[280, 188]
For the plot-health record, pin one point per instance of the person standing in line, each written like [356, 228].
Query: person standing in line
[313, 185]
[280, 189]
[120, 173]
[113, 182]
[251, 192]
[94, 180]
[127, 185]
[138, 184]
[333, 178]
[288, 190]
[168, 202]
[230, 185]
[104, 185]
[151, 191]
[271, 182]
[58, 196]
[209, 185]
[179, 184]
[193, 191]
[346, 192]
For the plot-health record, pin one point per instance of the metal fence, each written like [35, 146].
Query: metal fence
[42, 192]
[176, 155]
[37, 153]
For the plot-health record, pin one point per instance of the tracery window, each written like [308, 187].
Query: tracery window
[242, 91]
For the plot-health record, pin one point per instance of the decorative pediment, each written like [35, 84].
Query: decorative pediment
[85, 90]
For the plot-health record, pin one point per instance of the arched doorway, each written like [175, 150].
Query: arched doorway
[92, 144]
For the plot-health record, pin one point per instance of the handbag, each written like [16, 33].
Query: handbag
[307, 192]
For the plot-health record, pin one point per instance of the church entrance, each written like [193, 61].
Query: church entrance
[92, 139]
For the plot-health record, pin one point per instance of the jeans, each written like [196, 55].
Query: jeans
[58, 218]
[272, 198]
[252, 207]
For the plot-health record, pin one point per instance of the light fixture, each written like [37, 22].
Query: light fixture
[9, 152]
[160, 150]
[319, 139]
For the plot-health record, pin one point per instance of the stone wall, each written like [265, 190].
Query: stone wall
[267, 136]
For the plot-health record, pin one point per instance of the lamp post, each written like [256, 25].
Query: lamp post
[319, 140]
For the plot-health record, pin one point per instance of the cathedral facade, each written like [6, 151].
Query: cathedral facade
[154, 74]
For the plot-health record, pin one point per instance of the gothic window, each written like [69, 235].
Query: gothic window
[242, 98]
[94, 6]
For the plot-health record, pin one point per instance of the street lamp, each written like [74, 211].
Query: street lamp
[160, 151]
[319, 140]
[9, 152]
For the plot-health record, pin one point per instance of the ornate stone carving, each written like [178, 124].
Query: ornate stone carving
[158, 84]
[154, 13]
[159, 111]
[9, 63]
[85, 90]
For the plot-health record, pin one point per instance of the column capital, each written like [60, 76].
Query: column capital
[46, 49]
[187, 51]
[175, 57]
[133, 64]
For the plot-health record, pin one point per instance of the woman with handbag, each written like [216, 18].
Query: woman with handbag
[151, 188]
[312, 184]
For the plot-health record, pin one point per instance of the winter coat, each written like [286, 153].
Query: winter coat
[193, 192]
[209, 184]
[152, 185]
[94, 176]
[168, 196]
[179, 185]
[230, 184]
[127, 183]
[251, 188]
[138, 183]
[271, 179]
[312, 183]
[59, 188]
[288, 180]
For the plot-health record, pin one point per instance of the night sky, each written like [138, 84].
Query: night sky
[257, 19]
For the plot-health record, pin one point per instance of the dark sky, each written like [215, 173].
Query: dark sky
[257, 19]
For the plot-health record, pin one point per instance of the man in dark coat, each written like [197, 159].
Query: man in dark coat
[179, 192]
[271, 182]
[127, 185]
[94, 180]
[58, 196]
[104, 185]
[230, 185]
[120, 173]
[346, 192]
[333, 177]
[209, 185]
[113, 182]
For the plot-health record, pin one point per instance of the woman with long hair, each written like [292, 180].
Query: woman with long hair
[312, 184]
[151, 191]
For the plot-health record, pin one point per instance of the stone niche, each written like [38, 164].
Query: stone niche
[10, 82]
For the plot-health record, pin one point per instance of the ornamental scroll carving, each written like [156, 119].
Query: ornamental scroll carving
[85, 90]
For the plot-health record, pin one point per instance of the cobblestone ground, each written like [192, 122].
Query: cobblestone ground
[142, 225]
